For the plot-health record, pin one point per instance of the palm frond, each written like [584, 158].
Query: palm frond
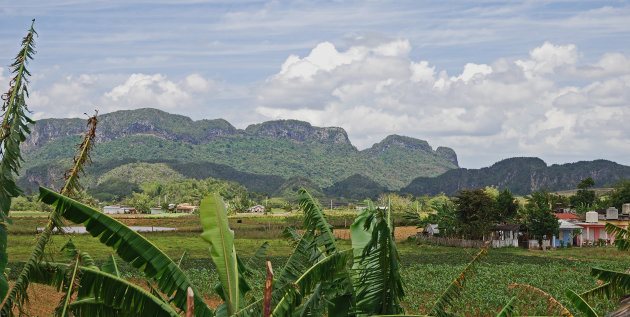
[455, 288]
[13, 131]
[71, 176]
[324, 270]
[110, 266]
[18, 293]
[216, 231]
[315, 222]
[378, 285]
[258, 256]
[116, 292]
[62, 310]
[552, 302]
[91, 307]
[622, 236]
[130, 246]
[580, 303]
[619, 280]
[508, 309]
[607, 290]
[14, 127]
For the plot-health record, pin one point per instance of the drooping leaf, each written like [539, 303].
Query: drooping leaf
[619, 280]
[130, 246]
[119, 293]
[508, 309]
[580, 303]
[94, 308]
[455, 288]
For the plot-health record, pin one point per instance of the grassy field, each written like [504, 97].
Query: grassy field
[426, 269]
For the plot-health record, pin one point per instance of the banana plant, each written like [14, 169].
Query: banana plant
[13, 131]
[72, 186]
[132, 247]
[378, 284]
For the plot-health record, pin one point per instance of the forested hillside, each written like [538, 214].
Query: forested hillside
[521, 175]
[283, 148]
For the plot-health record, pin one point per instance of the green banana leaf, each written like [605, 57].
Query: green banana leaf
[216, 231]
[119, 293]
[580, 303]
[325, 270]
[131, 247]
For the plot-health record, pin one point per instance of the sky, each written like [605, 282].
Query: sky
[490, 79]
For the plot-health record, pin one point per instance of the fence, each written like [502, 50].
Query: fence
[451, 242]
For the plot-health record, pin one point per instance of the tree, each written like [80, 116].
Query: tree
[584, 197]
[620, 195]
[586, 183]
[538, 217]
[475, 213]
[506, 205]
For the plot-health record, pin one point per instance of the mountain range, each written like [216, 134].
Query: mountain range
[275, 157]
[260, 156]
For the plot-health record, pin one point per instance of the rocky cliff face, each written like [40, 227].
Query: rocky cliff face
[298, 131]
[132, 122]
[404, 142]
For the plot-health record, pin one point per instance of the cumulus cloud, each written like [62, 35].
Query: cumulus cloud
[547, 103]
[73, 95]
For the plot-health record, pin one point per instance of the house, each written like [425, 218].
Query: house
[157, 210]
[431, 230]
[118, 209]
[186, 208]
[569, 233]
[593, 228]
[505, 235]
[256, 209]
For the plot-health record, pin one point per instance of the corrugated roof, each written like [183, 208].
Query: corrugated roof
[566, 216]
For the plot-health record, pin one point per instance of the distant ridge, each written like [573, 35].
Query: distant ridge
[521, 175]
[280, 148]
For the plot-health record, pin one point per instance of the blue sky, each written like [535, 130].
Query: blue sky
[490, 79]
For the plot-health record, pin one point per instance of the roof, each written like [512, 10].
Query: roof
[566, 216]
[507, 227]
[568, 225]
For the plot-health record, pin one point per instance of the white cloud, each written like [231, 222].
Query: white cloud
[71, 96]
[510, 107]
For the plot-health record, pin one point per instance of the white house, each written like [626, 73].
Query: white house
[117, 209]
[256, 209]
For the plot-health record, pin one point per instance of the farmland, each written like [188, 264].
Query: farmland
[426, 269]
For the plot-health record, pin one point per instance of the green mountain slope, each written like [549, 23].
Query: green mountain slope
[284, 148]
[521, 176]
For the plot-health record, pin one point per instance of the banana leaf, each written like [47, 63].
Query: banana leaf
[217, 232]
[131, 247]
[580, 303]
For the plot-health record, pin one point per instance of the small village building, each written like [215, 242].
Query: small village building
[256, 209]
[431, 230]
[157, 210]
[186, 208]
[505, 235]
[568, 234]
[118, 209]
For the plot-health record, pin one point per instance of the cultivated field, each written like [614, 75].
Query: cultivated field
[426, 269]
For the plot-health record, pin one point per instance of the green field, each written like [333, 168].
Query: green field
[426, 269]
